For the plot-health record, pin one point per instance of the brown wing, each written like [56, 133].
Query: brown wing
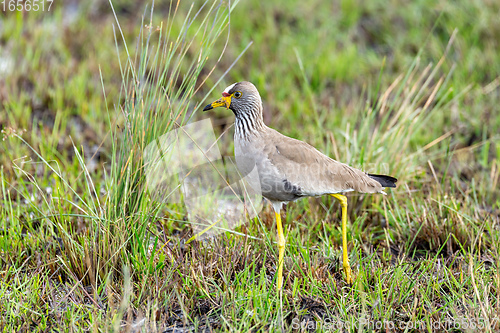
[312, 171]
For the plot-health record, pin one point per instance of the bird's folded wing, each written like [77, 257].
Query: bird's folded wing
[315, 173]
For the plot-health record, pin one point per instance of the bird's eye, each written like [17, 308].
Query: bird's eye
[237, 94]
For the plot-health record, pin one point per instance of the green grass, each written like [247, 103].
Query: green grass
[406, 89]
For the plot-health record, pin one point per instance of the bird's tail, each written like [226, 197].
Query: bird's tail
[385, 181]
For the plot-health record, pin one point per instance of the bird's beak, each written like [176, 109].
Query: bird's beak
[223, 101]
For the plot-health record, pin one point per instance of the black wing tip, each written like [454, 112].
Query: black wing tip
[385, 181]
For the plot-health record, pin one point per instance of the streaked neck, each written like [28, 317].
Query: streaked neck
[248, 123]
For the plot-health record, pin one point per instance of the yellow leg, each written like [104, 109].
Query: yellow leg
[281, 249]
[345, 257]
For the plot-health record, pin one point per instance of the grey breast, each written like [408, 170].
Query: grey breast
[272, 181]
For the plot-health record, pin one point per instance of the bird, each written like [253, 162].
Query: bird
[290, 169]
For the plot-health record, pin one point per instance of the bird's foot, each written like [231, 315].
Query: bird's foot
[347, 271]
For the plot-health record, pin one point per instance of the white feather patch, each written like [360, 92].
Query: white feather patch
[229, 88]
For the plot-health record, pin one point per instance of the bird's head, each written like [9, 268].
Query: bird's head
[240, 97]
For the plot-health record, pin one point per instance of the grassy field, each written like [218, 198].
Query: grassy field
[409, 89]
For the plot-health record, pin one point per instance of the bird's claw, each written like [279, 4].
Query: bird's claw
[347, 271]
